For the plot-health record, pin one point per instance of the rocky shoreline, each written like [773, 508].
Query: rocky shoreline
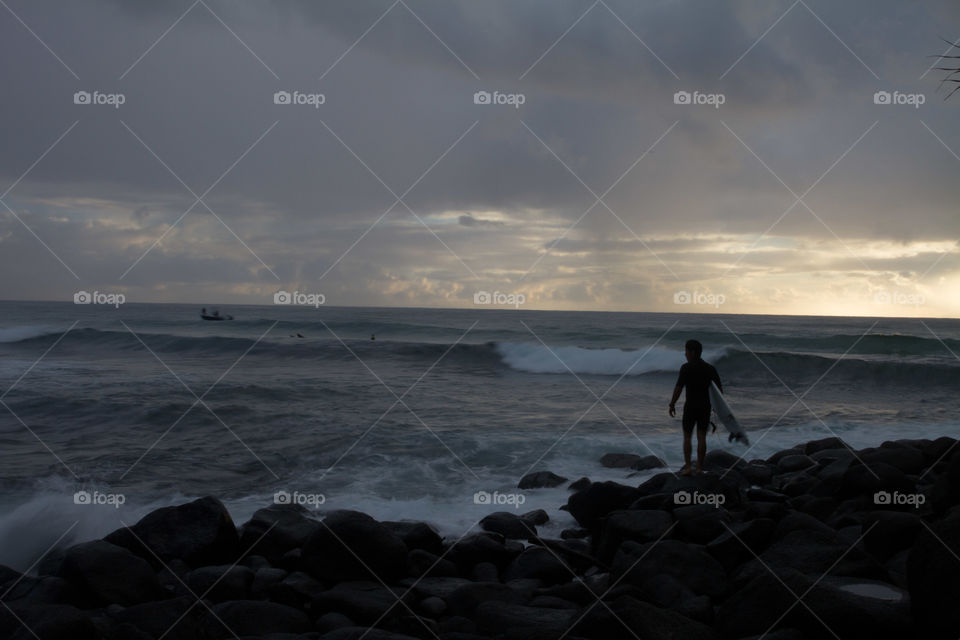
[818, 541]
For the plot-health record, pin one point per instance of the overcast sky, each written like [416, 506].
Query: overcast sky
[787, 190]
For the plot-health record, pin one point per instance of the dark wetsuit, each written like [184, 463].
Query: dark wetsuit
[696, 376]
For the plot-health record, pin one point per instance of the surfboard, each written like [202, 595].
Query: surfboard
[726, 417]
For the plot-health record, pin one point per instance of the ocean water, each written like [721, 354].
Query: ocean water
[147, 405]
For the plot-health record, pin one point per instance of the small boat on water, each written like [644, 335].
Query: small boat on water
[213, 317]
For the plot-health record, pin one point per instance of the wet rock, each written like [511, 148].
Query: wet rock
[105, 574]
[796, 462]
[638, 526]
[932, 569]
[424, 563]
[509, 525]
[221, 583]
[599, 499]
[688, 564]
[335, 550]
[277, 529]
[252, 618]
[628, 619]
[417, 535]
[539, 563]
[540, 479]
[363, 601]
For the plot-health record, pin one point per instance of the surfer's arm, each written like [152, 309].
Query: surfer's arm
[673, 401]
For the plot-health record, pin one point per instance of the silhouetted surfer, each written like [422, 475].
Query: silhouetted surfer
[696, 375]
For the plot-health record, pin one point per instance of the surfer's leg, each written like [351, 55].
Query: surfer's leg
[703, 423]
[687, 445]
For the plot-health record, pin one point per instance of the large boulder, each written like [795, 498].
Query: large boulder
[417, 535]
[932, 569]
[627, 618]
[46, 622]
[600, 498]
[509, 525]
[174, 619]
[540, 479]
[365, 602]
[349, 545]
[890, 532]
[814, 552]
[867, 480]
[644, 525]
[700, 523]
[239, 618]
[631, 461]
[200, 533]
[905, 458]
[107, 574]
[275, 530]
[520, 621]
[539, 563]
[946, 488]
[481, 547]
[221, 583]
[689, 564]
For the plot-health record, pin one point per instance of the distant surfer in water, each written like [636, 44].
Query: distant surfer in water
[696, 375]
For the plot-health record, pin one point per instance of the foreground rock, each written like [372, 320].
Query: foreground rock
[819, 541]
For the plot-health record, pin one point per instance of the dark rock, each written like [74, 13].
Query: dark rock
[200, 533]
[417, 535]
[656, 502]
[221, 583]
[42, 590]
[741, 541]
[771, 510]
[722, 489]
[579, 485]
[795, 462]
[364, 602]
[540, 479]
[627, 618]
[252, 618]
[688, 564]
[295, 590]
[720, 460]
[700, 523]
[465, 599]
[798, 483]
[814, 552]
[366, 633]
[783, 453]
[890, 532]
[349, 545]
[519, 621]
[940, 449]
[177, 618]
[774, 601]
[552, 602]
[599, 499]
[105, 574]
[798, 521]
[332, 621]
[273, 531]
[759, 474]
[536, 517]
[815, 446]
[863, 480]
[639, 526]
[906, 459]
[820, 508]
[480, 547]
[574, 534]
[424, 563]
[485, 572]
[434, 587]
[264, 578]
[432, 607]
[764, 495]
[539, 563]
[509, 525]
[826, 456]
[631, 461]
[946, 488]
[932, 569]
[46, 622]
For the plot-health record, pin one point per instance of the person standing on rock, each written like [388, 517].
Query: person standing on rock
[696, 375]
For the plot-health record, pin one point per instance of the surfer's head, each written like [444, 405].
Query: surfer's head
[693, 349]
